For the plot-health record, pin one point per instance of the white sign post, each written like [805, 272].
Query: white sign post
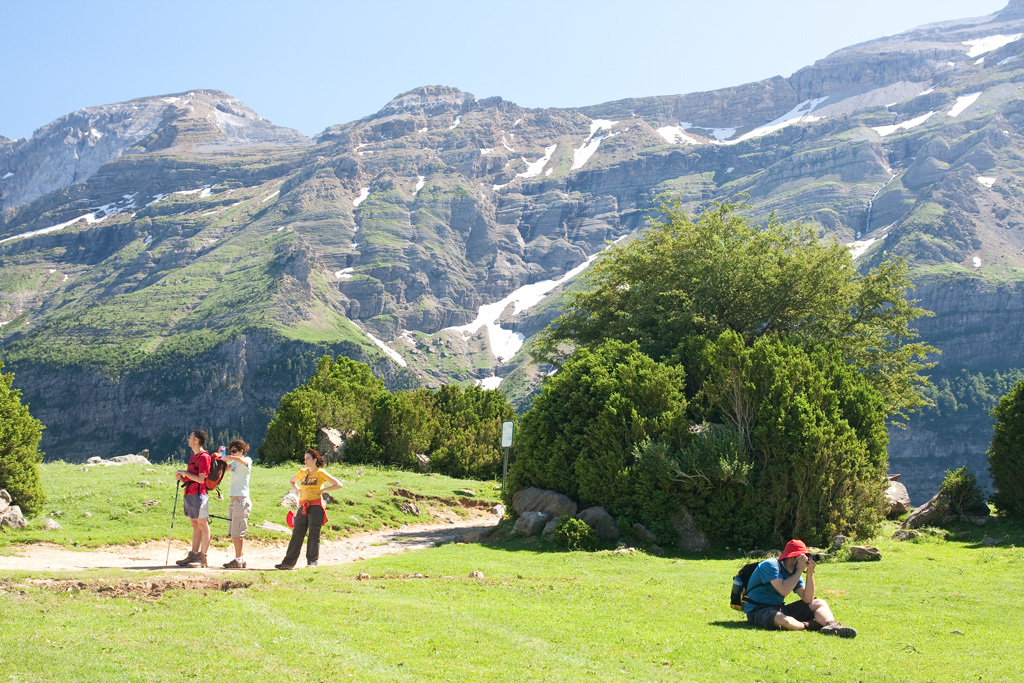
[507, 430]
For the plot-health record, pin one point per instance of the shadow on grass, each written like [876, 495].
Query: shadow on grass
[731, 624]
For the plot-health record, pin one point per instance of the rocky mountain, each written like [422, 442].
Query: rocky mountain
[177, 260]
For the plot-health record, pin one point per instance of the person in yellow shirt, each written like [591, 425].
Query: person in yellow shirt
[311, 481]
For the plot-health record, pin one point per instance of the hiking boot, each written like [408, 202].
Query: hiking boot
[284, 567]
[834, 628]
[235, 564]
[192, 556]
[310, 565]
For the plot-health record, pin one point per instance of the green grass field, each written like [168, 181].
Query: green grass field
[939, 608]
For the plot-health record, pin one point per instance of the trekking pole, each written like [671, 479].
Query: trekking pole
[174, 511]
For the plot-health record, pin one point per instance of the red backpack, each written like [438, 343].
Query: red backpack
[218, 466]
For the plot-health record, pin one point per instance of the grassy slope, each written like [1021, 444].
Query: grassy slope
[117, 515]
[931, 610]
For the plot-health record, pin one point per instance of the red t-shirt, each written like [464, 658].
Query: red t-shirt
[199, 463]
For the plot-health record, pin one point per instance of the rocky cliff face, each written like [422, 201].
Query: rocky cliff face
[148, 236]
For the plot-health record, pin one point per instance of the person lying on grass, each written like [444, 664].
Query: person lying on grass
[774, 579]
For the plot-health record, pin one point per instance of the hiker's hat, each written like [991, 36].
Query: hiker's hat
[794, 548]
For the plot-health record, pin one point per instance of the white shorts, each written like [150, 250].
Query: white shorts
[238, 513]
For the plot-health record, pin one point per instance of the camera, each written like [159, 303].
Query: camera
[817, 557]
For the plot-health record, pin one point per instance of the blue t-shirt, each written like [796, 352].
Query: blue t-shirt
[760, 588]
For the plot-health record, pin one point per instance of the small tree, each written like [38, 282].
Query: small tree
[19, 449]
[960, 489]
[1006, 454]
[582, 434]
[340, 394]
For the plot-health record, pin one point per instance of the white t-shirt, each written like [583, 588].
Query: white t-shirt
[240, 477]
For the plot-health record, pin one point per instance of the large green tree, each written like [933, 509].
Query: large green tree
[19, 449]
[686, 280]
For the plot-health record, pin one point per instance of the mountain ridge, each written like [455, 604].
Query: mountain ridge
[212, 226]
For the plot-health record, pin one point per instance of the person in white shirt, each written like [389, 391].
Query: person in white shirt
[240, 505]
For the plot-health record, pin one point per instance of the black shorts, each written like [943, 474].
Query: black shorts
[764, 617]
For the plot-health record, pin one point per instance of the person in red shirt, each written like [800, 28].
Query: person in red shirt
[197, 505]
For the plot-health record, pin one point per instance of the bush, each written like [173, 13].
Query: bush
[340, 394]
[961, 491]
[1006, 454]
[581, 435]
[575, 534]
[19, 449]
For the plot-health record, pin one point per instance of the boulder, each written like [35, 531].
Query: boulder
[291, 499]
[898, 500]
[549, 528]
[530, 523]
[13, 518]
[498, 510]
[838, 541]
[552, 503]
[988, 540]
[131, 459]
[865, 553]
[643, 535]
[410, 508]
[690, 538]
[928, 514]
[5, 500]
[598, 519]
[423, 462]
[331, 444]
[905, 534]
[51, 525]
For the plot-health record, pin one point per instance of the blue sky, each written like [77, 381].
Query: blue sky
[309, 65]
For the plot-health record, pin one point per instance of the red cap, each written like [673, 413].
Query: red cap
[793, 549]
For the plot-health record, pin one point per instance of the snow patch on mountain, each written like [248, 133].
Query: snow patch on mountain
[962, 103]
[801, 113]
[534, 169]
[390, 352]
[980, 46]
[906, 125]
[363, 194]
[676, 135]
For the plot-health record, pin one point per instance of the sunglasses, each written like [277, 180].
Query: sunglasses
[235, 451]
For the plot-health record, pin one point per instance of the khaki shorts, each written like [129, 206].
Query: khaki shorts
[238, 513]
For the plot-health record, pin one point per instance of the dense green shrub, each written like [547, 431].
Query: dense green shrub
[459, 429]
[960, 489]
[341, 394]
[19, 449]
[466, 439]
[1006, 454]
[804, 455]
[575, 534]
[581, 435]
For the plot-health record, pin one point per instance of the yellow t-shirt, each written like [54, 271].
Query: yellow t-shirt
[309, 484]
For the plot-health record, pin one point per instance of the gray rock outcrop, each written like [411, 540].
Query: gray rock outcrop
[551, 503]
[131, 459]
[898, 500]
[865, 553]
[690, 538]
[598, 519]
[530, 523]
[331, 444]
[929, 514]
[5, 500]
[12, 517]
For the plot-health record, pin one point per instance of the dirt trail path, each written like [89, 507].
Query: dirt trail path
[150, 556]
